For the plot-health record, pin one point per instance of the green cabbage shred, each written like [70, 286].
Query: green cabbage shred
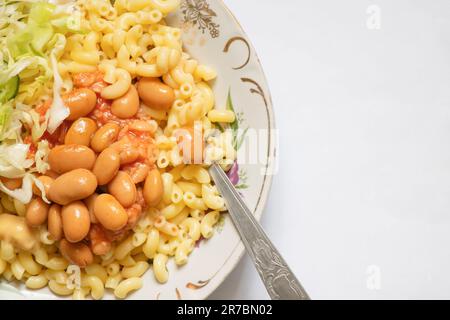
[32, 38]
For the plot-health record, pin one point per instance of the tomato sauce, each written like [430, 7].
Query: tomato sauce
[33, 147]
[43, 108]
[131, 139]
[87, 79]
[102, 114]
[143, 142]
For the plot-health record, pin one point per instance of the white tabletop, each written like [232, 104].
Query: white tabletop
[360, 206]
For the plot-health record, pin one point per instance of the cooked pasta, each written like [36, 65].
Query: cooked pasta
[121, 108]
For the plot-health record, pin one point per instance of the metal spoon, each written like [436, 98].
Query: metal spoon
[280, 282]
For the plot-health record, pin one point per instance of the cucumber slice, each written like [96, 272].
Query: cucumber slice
[10, 89]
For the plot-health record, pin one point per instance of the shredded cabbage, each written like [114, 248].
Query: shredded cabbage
[20, 116]
[5, 112]
[58, 111]
[38, 183]
[32, 39]
[30, 31]
[41, 157]
[13, 160]
[25, 193]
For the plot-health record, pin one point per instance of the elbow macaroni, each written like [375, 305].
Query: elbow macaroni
[126, 286]
[95, 286]
[119, 87]
[206, 226]
[36, 282]
[127, 40]
[159, 268]
[212, 198]
[135, 271]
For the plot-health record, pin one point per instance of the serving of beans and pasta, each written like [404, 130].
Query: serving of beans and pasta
[106, 140]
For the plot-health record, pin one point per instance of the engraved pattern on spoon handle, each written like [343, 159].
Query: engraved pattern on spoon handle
[279, 280]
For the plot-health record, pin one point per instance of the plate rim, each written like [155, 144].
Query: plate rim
[238, 252]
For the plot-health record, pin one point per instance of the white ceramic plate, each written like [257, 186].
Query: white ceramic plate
[213, 36]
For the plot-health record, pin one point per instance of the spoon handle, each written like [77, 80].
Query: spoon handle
[280, 282]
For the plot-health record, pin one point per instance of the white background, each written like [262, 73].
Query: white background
[360, 206]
